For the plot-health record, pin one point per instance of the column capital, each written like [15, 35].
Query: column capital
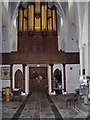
[24, 64]
[51, 65]
[64, 64]
[11, 65]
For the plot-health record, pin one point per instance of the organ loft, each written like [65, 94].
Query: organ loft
[37, 27]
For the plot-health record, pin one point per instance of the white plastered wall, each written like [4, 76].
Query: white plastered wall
[49, 79]
[72, 77]
[6, 27]
[0, 27]
[27, 79]
[0, 43]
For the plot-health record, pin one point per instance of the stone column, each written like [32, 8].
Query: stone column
[64, 77]
[51, 77]
[11, 73]
[24, 77]
[81, 60]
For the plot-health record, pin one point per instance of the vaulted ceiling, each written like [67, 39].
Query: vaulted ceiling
[61, 7]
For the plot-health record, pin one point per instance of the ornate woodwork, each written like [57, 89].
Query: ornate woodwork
[40, 58]
[37, 27]
[38, 44]
[37, 41]
[37, 16]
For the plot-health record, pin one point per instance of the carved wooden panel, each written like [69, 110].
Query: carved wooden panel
[40, 57]
[37, 42]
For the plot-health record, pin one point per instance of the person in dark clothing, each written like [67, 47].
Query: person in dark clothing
[58, 81]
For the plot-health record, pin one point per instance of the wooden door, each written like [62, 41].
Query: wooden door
[38, 79]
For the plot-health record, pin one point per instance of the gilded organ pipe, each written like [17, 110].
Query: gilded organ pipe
[37, 16]
[25, 21]
[54, 20]
[49, 12]
[42, 17]
[31, 17]
[37, 23]
[20, 20]
[45, 26]
[49, 20]
[37, 7]
[50, 24]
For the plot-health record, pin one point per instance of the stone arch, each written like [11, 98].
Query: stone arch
[19, 83]
[57, 71]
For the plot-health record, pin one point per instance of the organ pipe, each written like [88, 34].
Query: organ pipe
[44, 17]
[37, 7]
[25, 21]
[45, 24]
[50, 24]
[54, 20]
[31, 17]
[37, 16]
[49, 20]
[20, 20]
[49, 13]
[37, 23]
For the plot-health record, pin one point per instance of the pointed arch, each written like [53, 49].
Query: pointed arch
[19, 83]
[57, 71]
[58, 75]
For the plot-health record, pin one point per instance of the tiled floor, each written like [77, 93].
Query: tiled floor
[40, 105]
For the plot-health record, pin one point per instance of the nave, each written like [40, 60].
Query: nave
[39, 106]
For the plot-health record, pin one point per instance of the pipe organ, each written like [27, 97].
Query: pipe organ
[37, 16]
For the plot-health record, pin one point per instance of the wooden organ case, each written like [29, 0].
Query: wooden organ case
[37, 28]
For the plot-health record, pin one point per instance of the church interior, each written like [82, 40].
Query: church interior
[44, 59]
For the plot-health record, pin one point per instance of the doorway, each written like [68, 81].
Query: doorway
[38, 81]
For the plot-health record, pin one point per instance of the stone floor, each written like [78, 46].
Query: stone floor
[40, 106]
